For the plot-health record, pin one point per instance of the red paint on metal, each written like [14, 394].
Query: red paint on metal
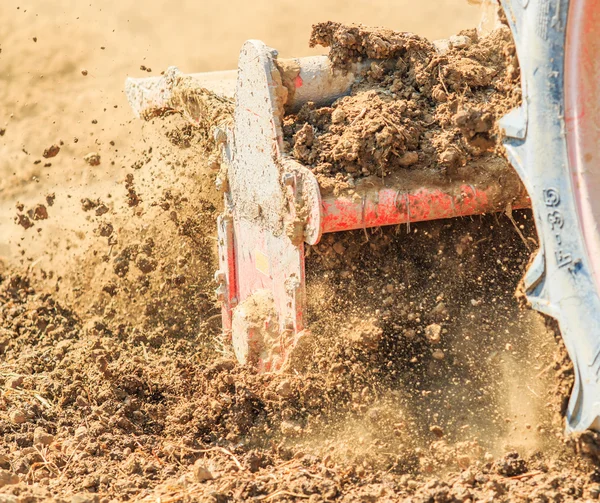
[228, 267]
[392, 207]
[285, 270]
[286, 274]
[582, 118]
[298, 82]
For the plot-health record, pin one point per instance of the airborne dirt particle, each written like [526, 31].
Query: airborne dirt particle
[24, 221]
[433, 333]
[438, 354]
[88, 204]
[17, 416]
[105, 229]
[93, 159]
[102, 209]
[51, 151]
[132, 197]
[437, 431]
[40, 212]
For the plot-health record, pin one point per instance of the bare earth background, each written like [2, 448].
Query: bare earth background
[113, 382]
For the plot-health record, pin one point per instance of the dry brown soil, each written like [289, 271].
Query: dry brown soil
[415, 108]
[426, 380]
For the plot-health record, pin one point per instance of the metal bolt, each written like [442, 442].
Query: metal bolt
[219, 277]
[292, 284]
[220, 293]
[221, 183]
[288, 179]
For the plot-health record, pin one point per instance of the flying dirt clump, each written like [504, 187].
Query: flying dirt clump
[418, 106]
[97, 205]
[154, 246]
[351, 43]
[51, 151]
[40, 212]
[93, 159]
[132, 197]
[36, 213]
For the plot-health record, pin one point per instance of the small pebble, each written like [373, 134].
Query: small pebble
[14, 382]
[338, 115]
[17, 416]
[201, 472]
[284, 389]
[460, 41]
[437, 431]
[408, 159]
[438, 354]
[433, 333]
[339, 248]
[42, 437]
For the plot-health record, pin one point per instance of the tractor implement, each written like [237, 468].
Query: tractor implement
[274, 205]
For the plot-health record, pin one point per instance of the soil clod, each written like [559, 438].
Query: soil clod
[93, 159]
